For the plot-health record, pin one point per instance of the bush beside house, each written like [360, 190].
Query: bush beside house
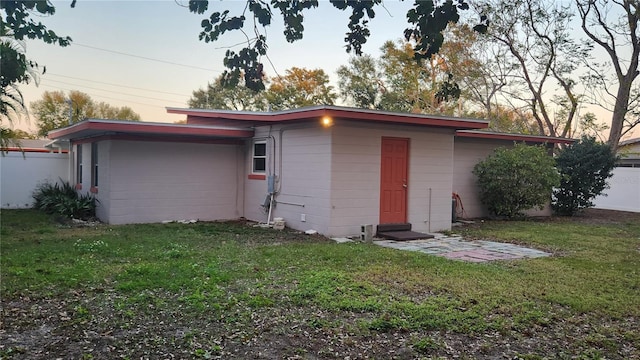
[512, 181]
[584, 167]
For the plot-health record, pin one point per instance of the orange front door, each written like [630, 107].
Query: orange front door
[393, 180]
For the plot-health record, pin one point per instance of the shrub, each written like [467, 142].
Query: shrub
[63, 199]
[517, 179]
[584, 167]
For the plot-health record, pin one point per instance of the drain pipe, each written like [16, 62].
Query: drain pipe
[429, 216]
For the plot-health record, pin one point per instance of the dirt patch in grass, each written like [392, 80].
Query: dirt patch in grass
[94, 326]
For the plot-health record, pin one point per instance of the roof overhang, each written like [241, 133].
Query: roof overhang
[93, 128]
[629, 142]
[513, 137]
[315, 113]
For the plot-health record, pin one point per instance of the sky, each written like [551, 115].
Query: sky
[146, 54]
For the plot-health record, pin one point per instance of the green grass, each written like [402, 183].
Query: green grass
[228, 270]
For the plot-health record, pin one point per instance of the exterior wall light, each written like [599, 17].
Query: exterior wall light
[326, 121]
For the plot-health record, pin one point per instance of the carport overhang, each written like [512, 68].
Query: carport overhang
[96, 129]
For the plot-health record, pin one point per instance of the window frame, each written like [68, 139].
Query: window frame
[94, 164]
[254, 157]
[79, 164]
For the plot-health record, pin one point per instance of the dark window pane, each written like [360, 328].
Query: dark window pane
[259, 164]
[260, 149]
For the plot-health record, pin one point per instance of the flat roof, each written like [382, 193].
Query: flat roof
[97, 127]
[336, 112]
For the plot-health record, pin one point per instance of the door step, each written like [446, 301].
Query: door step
[399, 232]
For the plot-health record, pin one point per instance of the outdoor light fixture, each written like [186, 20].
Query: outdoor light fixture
[326, 121]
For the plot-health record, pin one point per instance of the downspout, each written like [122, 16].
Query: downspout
[429, 213]
[270, 169]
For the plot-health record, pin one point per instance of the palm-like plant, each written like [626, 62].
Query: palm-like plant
[15, 69]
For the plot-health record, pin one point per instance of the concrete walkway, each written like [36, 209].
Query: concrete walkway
[456, 248]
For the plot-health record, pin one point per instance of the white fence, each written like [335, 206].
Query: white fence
[19, 175]
[624, 191]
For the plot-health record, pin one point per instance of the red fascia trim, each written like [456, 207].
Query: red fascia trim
[400, 119]
[33, 150]
[171, 139]
[514, 137]
[149, 129]
[194, 116]
[256, 177]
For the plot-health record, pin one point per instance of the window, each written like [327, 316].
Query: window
[79, 164]
[94, 164]
[259, 157]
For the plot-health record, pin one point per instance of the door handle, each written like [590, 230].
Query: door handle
[404, 186]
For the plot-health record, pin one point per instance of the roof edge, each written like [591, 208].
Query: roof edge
[479, 134]
[311, 112]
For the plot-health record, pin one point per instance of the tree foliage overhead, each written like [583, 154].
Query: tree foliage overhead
[52, 111]
[427, 19]
[518, 179]
[584, 167]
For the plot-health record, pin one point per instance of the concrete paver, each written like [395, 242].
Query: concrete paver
[456, 248]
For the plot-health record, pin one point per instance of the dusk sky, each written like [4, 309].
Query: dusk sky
[146, 54]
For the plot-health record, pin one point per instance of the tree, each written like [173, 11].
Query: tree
[514, 180]
[427, 20]
[537, 35]
[507, 119]
[584, 167]
[300, 87]
[409, 84]
[397, 82]
[360, 82]
[52, 111]
[15, 69]
[217, 96]
[613, 26]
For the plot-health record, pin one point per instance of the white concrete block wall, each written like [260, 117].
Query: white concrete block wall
[468, 152]
[624, 191]
[20, 175]
[355, 190]
[305, 178]
[431, 175]
[157, 181]
[103, 205]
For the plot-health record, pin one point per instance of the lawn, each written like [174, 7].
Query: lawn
[230, 290]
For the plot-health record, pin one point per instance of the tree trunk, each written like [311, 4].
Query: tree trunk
[620, 111]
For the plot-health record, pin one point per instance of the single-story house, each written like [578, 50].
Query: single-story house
[324, 168]
[629, 152]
